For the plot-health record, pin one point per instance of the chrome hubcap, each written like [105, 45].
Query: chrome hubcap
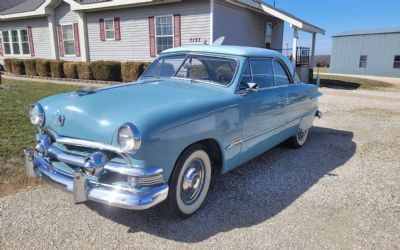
[302, 136]
[192, 181]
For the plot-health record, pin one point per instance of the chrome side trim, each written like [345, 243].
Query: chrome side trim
[240, 141]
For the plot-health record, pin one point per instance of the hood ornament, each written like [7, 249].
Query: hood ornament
[61, 120]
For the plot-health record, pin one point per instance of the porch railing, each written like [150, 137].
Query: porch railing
[302, 55]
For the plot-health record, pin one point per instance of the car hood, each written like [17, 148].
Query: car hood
[96, 114]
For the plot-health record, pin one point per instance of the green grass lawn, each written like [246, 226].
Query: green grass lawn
[16, 131]
[343, 82]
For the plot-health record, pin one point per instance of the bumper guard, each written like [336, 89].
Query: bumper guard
[84, 189]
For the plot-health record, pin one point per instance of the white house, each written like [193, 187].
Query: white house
[87, 30]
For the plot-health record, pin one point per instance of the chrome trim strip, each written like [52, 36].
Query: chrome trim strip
[110, 166]
[240, 141]
[88, 144]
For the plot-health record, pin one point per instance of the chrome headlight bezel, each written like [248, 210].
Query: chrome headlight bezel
[129, 138]
[37, 115]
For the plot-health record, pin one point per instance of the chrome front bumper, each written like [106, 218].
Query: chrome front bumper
[84, 189]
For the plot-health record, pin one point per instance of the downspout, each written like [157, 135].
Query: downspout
[211, 22]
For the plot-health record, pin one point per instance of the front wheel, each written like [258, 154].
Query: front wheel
[190, 181]
[299, 139]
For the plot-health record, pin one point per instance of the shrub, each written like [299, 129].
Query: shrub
[56, 68]
[106, 71]
[84, 71]
[70, 70]
[7, 65]
[131, 71]
[43, 67]
[30, 67]
[18, 67]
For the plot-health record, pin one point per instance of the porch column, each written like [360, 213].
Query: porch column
[53, 35]
[314, 37]
[83, 37]
[294, 50]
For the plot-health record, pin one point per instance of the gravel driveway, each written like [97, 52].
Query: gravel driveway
[342, 190]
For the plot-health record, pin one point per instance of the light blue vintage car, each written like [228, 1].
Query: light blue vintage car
[196, 112]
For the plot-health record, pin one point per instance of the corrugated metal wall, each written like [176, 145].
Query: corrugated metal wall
[380, 49]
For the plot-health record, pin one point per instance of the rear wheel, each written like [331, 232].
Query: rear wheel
[299, 139]
[190, 181]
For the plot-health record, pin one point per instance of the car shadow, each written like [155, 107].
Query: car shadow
[250, 194]
[339, 84]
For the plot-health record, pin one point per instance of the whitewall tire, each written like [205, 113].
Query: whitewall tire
[190, 181]
[299, 139]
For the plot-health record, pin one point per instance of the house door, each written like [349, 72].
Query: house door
[268, 35]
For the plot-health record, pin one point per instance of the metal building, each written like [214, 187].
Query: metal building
[367, 52]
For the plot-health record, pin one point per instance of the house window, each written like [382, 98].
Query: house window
[363, 61]
[164, 33]
[68, 39]
[396, 64]
[109, 29]
[6, 43]
[24, 42]
[15, 42]
[268, 35]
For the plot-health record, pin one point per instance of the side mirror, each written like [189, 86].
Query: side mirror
[252, 86]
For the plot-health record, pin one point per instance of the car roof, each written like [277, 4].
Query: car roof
[225, 49]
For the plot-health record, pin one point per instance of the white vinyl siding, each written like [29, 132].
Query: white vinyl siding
[244, 27]
[164, 33]
[64, 16]
[109, 29]
[134, 23]
[40, 35]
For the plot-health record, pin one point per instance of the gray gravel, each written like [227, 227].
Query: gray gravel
[340, 191]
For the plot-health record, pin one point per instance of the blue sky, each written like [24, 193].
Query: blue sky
[336, 16]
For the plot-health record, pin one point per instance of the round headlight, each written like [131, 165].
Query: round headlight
[129, 138]
[37, 115]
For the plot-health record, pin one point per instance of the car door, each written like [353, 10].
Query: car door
[263, 111]
[296, 96]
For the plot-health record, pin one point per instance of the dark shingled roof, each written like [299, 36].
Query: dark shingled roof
[369, 32]
[8, 7]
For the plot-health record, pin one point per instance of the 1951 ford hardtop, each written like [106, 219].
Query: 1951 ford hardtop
[197, 111]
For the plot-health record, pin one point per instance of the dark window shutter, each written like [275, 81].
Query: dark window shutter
[102, 33]
[1, 48]
[117, 27]
[60, 41]
[76, 37]
[30, 37]
[153, 51]
[177, 30]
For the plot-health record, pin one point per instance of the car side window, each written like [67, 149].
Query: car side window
[281, 77]
[262, 72]
[246, 76]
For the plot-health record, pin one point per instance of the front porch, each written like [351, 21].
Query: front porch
[302, 57]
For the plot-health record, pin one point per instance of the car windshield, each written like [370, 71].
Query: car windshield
[210, 69]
